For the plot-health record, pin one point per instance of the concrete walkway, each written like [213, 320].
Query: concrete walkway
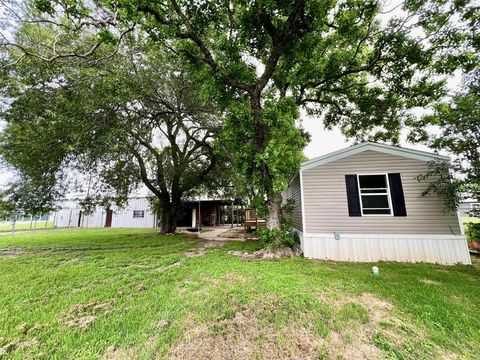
[215, 234]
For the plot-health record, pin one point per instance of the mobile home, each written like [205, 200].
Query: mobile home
[364, 203]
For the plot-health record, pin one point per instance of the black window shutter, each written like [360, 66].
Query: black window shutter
[353, 195]
[396, 192]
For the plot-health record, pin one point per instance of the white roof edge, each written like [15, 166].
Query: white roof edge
[384, 148]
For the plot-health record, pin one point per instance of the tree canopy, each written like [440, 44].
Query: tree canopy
[264, 61]
[134, 118]
[458, 122]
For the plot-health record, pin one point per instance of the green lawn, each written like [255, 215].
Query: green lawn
[123, 294]
[41, 225]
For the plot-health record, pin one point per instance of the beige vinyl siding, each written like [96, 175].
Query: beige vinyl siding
[294, 192]
[325, 197]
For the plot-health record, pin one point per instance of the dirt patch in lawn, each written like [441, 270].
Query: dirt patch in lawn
[116, 353]
[202, 248]
[16, 345]
[167, 267]
[228, 279]
[383, 323]
[356, 322]
[251, 332]
[11, 252]
[430, 282]
[245, 336]
[81, 316]
[266, 253]
[113, 353]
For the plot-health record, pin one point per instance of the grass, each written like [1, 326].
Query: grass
[130, 293]
[41, 225]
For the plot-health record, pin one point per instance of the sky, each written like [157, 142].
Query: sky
[322, 141]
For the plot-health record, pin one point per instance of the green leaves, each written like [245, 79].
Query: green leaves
[44, 6]
[440, 180]
[105, 36]
[459, 126]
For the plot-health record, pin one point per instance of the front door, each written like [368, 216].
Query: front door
[108, 219]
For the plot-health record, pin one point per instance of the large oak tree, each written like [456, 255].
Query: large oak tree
[264, 60]
[134, 118]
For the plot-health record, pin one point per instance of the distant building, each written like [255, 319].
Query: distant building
[138, 213]
[466, 207]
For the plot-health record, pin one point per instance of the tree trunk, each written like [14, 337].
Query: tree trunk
[274, 202]
[168, 223]
[274, 212]
[168, 216]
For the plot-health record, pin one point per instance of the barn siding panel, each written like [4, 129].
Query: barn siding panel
[124, 217]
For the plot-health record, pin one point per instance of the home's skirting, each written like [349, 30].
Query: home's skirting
[441, 249]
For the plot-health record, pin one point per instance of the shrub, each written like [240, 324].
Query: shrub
[283, 237]
[472, 230]
[278, 238]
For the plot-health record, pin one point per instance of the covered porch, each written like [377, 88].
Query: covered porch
[201, 213]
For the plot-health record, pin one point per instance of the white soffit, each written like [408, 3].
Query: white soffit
[383, 148]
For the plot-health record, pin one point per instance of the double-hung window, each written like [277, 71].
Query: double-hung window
[374, 194]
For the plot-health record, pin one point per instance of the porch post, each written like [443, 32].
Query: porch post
[199, 218]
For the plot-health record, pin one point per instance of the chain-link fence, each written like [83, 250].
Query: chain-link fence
[22, 222]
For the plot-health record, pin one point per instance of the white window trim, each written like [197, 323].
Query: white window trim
[389, 195]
